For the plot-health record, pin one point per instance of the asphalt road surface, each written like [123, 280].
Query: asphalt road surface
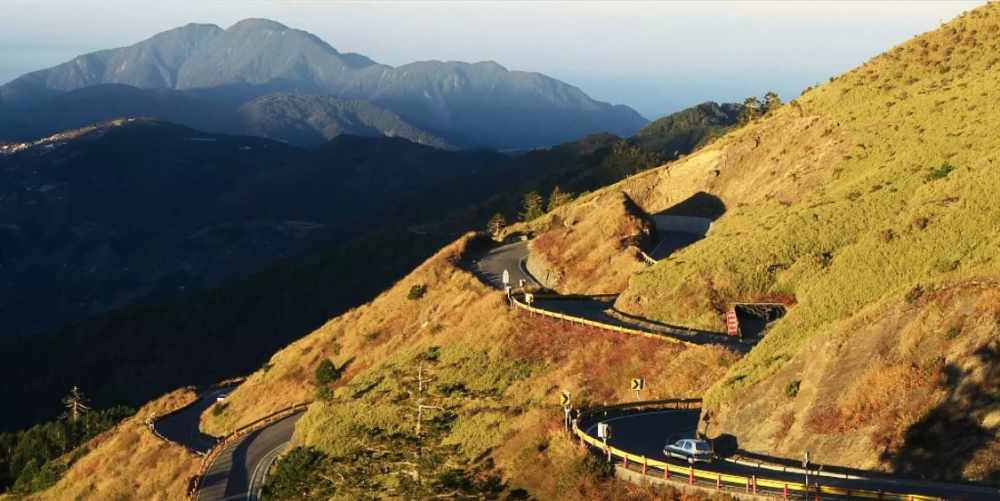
[238, 472]
[646, 434]
[183, 427]
[511, 257]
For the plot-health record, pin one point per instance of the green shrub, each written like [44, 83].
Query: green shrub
[326, 373]
[296, 476]
[939, 172]
[792, 389]
[324, 394]
[417, 292]
[219, 408]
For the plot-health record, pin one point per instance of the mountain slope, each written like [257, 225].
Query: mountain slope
[688, 129]
[312, 288]
[469, 104]
[867, 204]
[134, 210]
[311, 120]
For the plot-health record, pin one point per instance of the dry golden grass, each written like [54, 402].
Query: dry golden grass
[593, 246]
[866, 385]
[498, 371]
[871, 201]
[130, 463]
[878, 185]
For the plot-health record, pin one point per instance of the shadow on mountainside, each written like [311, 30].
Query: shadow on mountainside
[685, 223]
[950, 443]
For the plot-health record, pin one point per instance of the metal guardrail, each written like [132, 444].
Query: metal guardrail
[750, 484]
[195, 482]
[598, 325]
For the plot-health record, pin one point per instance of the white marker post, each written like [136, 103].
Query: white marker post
[506, 277]
[603, 432]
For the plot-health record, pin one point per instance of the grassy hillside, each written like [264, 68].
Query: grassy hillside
[868, 204]
[872, 192]
[497, 376]
[129, 462]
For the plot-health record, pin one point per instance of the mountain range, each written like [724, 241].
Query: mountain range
[112, 229]
[206, 77]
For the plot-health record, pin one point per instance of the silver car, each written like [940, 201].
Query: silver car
[691, 449]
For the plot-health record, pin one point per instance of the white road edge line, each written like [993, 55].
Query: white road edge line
[265, 462]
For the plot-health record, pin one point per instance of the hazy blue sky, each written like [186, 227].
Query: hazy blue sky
[654, 56]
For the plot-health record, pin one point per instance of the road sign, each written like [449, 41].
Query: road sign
[506, 277]
[564, 399]
[638, 384]
[732, 323]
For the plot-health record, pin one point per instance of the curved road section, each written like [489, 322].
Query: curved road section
[510, 257]
[238, 472]
[646, 433]
[182, 426]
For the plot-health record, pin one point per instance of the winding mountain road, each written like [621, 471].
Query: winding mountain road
[490, 265]
[183, 426]
[238, 472]
[646, 433]
[510, 257]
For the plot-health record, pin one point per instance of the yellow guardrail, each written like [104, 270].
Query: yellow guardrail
[598, 325]
[749, 483]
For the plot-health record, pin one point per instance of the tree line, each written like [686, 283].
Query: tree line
[34, 459]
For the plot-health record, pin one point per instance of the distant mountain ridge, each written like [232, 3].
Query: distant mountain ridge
[478, 104]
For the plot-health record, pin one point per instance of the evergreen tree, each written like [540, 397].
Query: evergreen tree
[557, 198]
[771, 101]
[76, 404]
[496, 225]
[532, 206]
[751, 110]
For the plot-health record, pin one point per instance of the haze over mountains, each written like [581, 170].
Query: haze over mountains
[202, 76]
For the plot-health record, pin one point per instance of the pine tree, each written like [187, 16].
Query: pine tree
[76, 404]
[557, 198]
[496, 225]
[751, 110]
[532, 206]
[771, 101]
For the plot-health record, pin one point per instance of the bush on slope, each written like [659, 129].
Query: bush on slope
[495, 374]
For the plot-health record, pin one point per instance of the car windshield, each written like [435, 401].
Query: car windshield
[702, 446]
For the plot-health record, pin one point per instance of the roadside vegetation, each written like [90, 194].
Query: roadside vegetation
[867, 205]
[873, 190]
[490, 382]
[127, 461]
[34, 459]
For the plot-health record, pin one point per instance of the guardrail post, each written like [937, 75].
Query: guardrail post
[718, 482]
[690, 475]
[666, 472]
[626, 461]
[786, 491]
[608, 450]
[748, 485]
[645, 465]
[753, 478]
